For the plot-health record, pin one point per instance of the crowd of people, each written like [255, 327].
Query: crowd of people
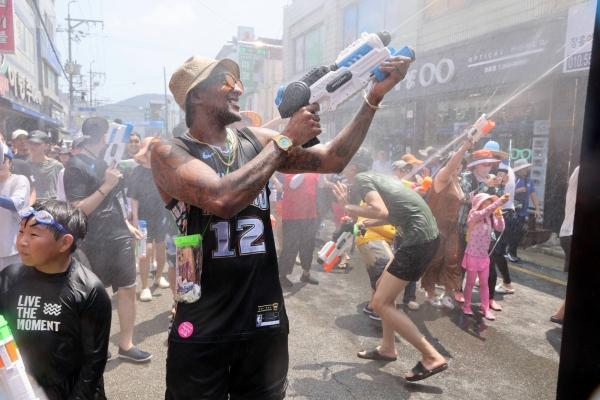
[73, 226]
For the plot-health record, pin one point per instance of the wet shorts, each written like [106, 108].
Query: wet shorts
[157, 229]
[242, 370]
[410, 262]
[113, 261]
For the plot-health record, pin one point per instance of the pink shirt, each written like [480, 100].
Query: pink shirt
[480, 224]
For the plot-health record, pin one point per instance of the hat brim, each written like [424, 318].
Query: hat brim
[229, 64]
[36, 141]
[483, 161]
[500, 154]
[492, 197]
[528, 165]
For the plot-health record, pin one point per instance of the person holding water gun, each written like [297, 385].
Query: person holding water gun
[57, 310]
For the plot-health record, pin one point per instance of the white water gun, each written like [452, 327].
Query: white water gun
[331, 85]
[480, 128]
[14, 382]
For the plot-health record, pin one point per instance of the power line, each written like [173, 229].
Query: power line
[39, 14]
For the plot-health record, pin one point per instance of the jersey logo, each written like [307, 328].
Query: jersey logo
[52, 309]
[206, 155]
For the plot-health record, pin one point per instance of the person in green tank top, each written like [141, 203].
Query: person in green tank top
[389, 201]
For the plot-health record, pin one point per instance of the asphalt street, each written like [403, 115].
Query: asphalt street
[514, 357]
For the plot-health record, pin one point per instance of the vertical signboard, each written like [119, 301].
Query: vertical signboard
[7, 33]
[578, 43]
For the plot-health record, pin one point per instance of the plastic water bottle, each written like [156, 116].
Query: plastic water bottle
[143, 225]
[13, 379]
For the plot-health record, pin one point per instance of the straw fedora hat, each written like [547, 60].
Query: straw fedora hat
[194, 71]
[411, 159]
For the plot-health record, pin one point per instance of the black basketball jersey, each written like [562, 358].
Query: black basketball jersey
[241, 294]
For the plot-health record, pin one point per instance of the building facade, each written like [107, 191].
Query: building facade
[472, 56]
[29, 73]
[261, 70]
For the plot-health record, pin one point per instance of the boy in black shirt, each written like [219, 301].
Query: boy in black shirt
[57, 309]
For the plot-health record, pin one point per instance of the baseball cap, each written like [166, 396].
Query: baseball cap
[38, 137]
[194, 71]
[400, 164]
[18, 133]
[94, 126]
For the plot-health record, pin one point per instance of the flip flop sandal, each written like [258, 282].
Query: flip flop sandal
[420, 372]
[374, 355]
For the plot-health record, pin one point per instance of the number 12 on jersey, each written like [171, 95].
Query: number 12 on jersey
[251, 240]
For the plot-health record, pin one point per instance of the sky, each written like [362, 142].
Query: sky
[140, 37]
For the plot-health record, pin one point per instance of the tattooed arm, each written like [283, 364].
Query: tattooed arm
[332, 157]
[180, 176]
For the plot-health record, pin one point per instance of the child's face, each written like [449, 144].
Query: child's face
[502, 177]
[37, 245]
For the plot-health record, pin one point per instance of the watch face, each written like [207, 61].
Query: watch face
[285, 142]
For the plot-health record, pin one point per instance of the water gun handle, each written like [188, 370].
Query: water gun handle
[311, 143]
[405, 51]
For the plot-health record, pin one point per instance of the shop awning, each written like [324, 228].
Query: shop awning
[31, 113]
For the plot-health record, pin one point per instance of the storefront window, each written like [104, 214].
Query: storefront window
[24, 39]
[309, 50]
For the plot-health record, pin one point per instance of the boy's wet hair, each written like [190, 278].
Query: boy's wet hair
[71, 218]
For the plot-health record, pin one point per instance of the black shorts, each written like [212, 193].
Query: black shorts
[113, 261]
[410, 262]
[242, 370]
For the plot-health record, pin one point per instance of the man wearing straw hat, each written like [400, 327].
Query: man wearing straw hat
[232, 342]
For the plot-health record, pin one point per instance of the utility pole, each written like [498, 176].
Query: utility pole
[93, 83]
[167, 135]
[73, 23]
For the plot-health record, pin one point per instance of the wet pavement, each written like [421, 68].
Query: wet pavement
[514, 357]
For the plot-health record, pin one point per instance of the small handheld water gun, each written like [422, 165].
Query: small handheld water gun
[480, 128]
[332, 252]
[13, 378]
[331, 85]
[423, 187]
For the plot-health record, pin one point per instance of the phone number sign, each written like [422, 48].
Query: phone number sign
[578, 42]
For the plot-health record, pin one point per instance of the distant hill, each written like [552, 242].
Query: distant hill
[142, 100]
[133, 108]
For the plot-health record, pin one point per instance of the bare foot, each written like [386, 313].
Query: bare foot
[387, 352]
[495, 306]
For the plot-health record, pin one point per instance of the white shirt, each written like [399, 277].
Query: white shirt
[567, 226]
[510, 189]
[17, 188]
[60, 186]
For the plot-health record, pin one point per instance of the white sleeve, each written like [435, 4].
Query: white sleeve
[60, 187]
[20, 195]
[296, 181]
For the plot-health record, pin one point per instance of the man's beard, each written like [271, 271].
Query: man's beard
[227, 117]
